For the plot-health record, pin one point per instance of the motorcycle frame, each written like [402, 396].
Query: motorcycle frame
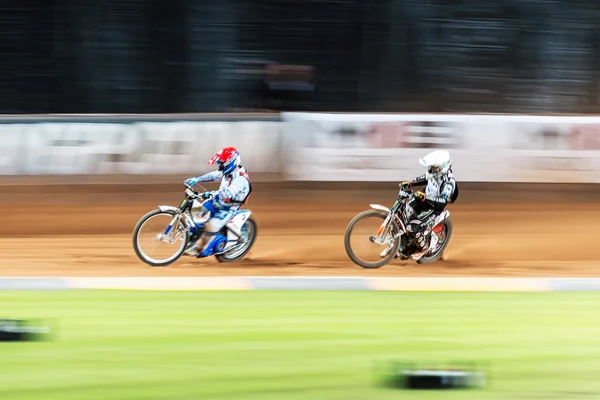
[184, 211]
[392, 215]
[403, 197]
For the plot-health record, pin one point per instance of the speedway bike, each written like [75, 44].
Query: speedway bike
[171, 230]
[387, 234]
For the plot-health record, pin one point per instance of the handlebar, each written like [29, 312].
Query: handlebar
[192, 187]
[405, 193]
[193, 191]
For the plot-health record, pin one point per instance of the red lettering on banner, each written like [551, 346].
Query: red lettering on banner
[388, 134]
[584, 137]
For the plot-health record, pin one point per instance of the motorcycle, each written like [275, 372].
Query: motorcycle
[178, 231]
[392, 234]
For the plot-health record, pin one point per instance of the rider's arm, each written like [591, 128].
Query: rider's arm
[419, 180]
[445, 194]
[209, 177]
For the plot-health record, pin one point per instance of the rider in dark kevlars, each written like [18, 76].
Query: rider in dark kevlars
[231, 195]
[441, 189]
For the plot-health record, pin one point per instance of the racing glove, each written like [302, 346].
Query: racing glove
[420, 195]
[408, 184]
[190, 182]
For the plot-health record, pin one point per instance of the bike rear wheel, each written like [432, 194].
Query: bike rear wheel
[155, 243]
[389, 247]
[444, 235]
[249, 231]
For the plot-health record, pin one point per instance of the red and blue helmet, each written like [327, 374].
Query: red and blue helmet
[227, 159]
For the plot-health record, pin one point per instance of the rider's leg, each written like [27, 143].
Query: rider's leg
[193, 248]
[200, 217]
[419, 229]
[212, 228]
[409, 216]
[423, 231]
[414, 219]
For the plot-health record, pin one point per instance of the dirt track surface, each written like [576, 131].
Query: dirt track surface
[300, 233]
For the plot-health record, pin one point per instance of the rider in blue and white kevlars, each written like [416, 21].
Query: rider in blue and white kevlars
[441, 189]
[233, 192]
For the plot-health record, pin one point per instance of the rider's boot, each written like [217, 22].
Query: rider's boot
[404, 248]
[195, 247]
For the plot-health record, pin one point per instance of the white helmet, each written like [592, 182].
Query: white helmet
[438, 164]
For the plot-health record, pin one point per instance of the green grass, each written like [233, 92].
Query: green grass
[297, 345]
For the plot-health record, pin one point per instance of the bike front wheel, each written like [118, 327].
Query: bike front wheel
[159, 239]
[359, 243]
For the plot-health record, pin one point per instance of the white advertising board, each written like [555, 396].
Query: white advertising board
[484, 148]
[134, 148]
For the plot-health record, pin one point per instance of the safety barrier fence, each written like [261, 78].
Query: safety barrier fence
[305, 146]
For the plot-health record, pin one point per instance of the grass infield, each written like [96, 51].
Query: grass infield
[313, 345]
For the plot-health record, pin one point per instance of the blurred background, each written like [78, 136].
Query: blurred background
[157, 56]
[149, 90]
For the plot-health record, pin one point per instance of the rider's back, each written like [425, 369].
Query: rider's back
[236, 186]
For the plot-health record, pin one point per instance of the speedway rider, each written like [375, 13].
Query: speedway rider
[440, 190]
[234, 190]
